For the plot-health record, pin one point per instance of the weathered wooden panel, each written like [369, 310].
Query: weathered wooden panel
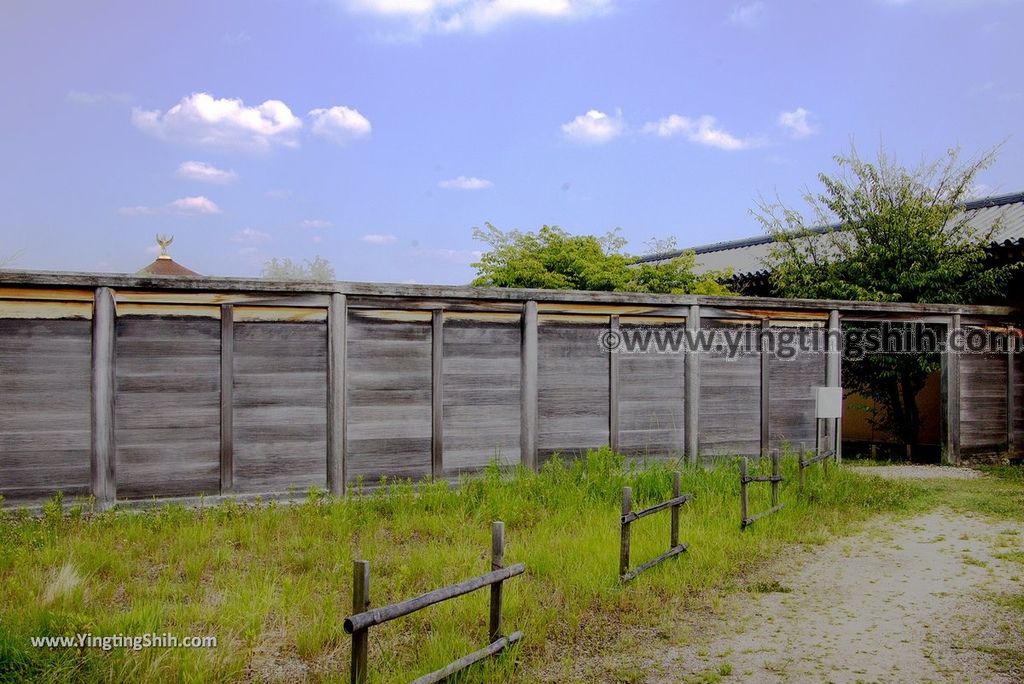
[1018, 402]
[481, 394]
[982, 402]
[572, 385]
[652, 393]
[280, 417]
[389, 398]
[730, 386]
[44, 408]
[791, 402]
[167, 406]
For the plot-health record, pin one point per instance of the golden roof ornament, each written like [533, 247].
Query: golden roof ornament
[164, 241]
[164, 265]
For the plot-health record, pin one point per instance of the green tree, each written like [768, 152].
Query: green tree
[900, 236]
[553, 259]
[316, 268]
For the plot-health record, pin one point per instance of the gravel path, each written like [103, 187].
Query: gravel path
[909, 601]
[919, 472]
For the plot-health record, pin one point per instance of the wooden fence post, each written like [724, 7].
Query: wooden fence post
[776, 473]
[613, 386]
[691, 406]
[360, 602]
[800, 465]
[765, 387]
[833, 368]
[227, 399]
[437, 394]
[103, 454]
[824, 467]
[528, 387]
[674, 539]
[743, 491]
[337, 326]
[497, 563]
[1011, 408]
[950, 422]
[627, 506]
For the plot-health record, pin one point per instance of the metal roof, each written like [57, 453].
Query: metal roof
[747, 255]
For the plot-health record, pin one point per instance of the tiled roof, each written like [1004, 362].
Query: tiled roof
[747, 255]
[164, 265]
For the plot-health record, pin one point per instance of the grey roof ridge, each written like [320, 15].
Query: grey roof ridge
[972, 205]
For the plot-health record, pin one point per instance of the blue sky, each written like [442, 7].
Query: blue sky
[377, 133]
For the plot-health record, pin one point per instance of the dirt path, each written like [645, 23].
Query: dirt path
[910, 601]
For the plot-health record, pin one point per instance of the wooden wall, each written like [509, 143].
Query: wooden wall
[481, 401]
[730, 394]
[792, 382]
[651, 396]
[230, 392]
[572, 385]
[983, 393]
[167, 406]
[389, 395]
[45, 415]
[1017, 392]
[280, 405]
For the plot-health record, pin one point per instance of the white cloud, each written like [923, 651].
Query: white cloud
[202, 119]
[594, 128]
[250, 236]
[237, 38]
[137, 211]
[452, 16]
[251, 255]
[455, 256]
[339, 124]
[746, 13]
[186, 205]
[318, 224]
[797, 123]
[194, 205]
[979, 190]
[376, 239]
[465, 183]
[703, 130]
[205, 173]
[85, 98]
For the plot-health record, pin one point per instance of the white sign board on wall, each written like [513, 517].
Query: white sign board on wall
[828, 402]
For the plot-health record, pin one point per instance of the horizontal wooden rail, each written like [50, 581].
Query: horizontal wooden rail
[636, 515]
[822, 455]
[752, 519]
[379, 616]
[629, 516]
[815, 459]
[471, 659]
[674, 551]
[762, 478]
[358, 625]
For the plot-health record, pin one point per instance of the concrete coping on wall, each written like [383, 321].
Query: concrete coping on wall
[752, 306]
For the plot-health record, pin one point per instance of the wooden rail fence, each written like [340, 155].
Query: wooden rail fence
[629, 516]
[823, 456]
[746, 520]
[358, 625]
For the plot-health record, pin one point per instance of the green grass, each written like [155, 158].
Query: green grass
[273, 581]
